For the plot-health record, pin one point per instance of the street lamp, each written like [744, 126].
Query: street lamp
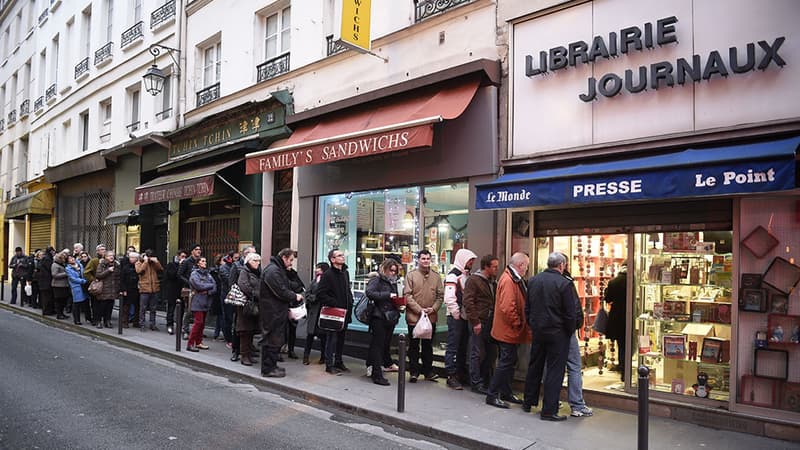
[154, 77]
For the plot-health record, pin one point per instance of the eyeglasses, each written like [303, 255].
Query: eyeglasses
[340, 255]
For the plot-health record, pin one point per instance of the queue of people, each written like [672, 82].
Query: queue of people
[489, 312]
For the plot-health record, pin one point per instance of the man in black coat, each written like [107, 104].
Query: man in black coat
[184, 272]
[333, 290]
[550, 311]
[276, 294]
[171, 288]
[43, 276]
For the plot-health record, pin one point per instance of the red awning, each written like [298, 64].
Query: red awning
[400, 124]
[189, 184]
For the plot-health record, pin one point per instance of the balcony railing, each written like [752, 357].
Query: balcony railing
[54, 4]
[273, 67]
[50, 93]
[38, 104]
[131, 34]
[43, 16]
[165, 114]
[162, 14]
[335, 46]
[427, 8]
[12, 117]
[82, 67]
[132, 126]
[103, 54]
[2, 125]
[24, 108]
[208, 95]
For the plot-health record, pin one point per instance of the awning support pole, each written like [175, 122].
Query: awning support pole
[238, 191]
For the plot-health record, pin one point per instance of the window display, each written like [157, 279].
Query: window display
[682, 317]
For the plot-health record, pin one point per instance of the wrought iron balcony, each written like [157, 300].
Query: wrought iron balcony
[335, 47]
[103, 54]
[38, 104]
[24, 108]
[12, 117]
[43, 16]
[131, 34]
[427, 8]
[132, 126]
[54, 4]
[2, 125]
[162, 14]
[82, 67]
[50, 94]
[273, 67]
[165, 114]
[208, 95]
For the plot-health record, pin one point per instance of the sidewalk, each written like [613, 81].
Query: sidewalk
[432, 409]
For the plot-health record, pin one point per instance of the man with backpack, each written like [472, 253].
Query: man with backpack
[455, 356]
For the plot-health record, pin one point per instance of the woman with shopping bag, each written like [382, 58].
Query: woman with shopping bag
[424, 293]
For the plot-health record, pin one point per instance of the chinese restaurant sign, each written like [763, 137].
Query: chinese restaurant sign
[373, 144]
[194, 187]
[234, 129]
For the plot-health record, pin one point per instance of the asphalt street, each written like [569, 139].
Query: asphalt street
[63, 390]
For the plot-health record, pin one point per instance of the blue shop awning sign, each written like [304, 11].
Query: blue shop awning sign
[739, 169]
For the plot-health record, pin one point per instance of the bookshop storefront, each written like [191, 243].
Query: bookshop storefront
[656, 146]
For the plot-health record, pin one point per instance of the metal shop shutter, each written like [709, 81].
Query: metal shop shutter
[40, 233]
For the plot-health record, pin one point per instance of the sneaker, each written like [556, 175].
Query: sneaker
[452, 383]
[341, 367]
[583, 411]
[413, 378]
[431, 377]
[369, 371]
[392, 368]
[202, 346]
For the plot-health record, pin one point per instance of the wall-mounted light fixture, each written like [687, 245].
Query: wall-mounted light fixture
[154, 77]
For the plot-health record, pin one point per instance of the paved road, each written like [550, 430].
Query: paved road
[62, 390]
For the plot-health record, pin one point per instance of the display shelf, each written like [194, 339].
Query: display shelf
[783, 330]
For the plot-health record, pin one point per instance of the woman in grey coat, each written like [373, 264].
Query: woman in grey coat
[246, 324]
[60, 283]
[204, 287]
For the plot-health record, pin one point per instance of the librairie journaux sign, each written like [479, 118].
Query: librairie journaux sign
[759, 55]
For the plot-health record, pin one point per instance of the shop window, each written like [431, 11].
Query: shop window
[682, 312]
[371, 226]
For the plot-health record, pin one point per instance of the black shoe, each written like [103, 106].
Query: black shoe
[292, 355]
[496, 402]
[154, 328]
[305, 360]
[553, 417]
[99, 325]
[479, 390]
[277, 372]
[511, 399]
[280, 358]
[235, 357]
[108, 325]
[333, 370]
[341, 367]
[381, 381]
[413, 378]
[61, 317]
[452, 383]
[526, 407]
[192, 348]
[431, 377]
[321, 360]
[78, 323]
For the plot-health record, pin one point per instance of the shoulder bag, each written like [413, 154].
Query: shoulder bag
[331, 318]
[235, 296]
[96, 287]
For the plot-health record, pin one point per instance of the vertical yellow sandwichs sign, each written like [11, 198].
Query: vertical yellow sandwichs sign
[355, 23]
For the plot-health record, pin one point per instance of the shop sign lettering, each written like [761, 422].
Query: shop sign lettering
[229, 131]
[731, 178]
[407, 138]
[198, 187]
[755, 55]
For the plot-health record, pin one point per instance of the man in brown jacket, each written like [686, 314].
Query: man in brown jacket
[479, 294]
[509, 329]
[424, 292]
[148, 267]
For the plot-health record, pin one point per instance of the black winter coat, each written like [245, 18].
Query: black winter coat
[185, 270]
[616, 295]
[380, 290]
[334, 290]
[312, 306]
[42, 274]
[550, 306]
[171, 287]
[276, 294]
[249, 282]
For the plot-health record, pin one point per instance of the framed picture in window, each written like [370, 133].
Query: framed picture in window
[781, 275]
[754, 300]
[778, 303]
[760, 242]
[674, 346]
[712, 351]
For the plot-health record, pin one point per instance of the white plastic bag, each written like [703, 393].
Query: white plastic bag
[28, 290]
[424, 328]
[299, 312]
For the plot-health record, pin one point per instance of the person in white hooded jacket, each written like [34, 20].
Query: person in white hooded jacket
[455, 356]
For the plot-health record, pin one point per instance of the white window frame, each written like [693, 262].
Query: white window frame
[109, 21]
[86, 32]
[84, 131]
[106, 111]
[134, 109]
[137, 11]
[163, 101]
[281, 36]
[43, 71]
[212, 64]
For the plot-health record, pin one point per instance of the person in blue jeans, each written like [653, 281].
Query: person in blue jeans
[455, 356]
[574, 365]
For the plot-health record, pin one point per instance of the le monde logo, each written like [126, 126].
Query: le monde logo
[758, 55]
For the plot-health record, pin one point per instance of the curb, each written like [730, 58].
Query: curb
[384, 418]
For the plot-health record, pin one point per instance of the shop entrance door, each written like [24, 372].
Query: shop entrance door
[594, 260]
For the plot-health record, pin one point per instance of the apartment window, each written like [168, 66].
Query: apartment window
[69, 35]
[18, 29]
[43, 71]
[26, 80]
[133, 99]
[105, 120]
[84, 123]
[14, 86]
[137, 11]
[6, 42]
[109, 20]
[211, 64]
[278, 36]
[164, 100]
[31, 13]
[86, 32]
[54, 60]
